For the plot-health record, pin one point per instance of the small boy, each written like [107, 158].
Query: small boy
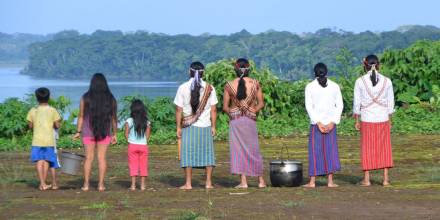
[43, 119]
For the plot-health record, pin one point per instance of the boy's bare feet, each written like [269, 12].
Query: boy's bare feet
[185, 187]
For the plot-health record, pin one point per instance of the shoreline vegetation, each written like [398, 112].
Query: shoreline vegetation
[414, 72]
[143, 55]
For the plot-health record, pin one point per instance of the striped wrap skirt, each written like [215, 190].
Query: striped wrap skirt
[323, 152]
[197, 149]
[376, 150]
[245, 153]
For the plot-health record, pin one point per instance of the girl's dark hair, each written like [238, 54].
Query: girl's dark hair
[320, 70]
[195, 91]
[99, 106]
[42, 94]
[139, 116]
[242, 70]
[369, 61]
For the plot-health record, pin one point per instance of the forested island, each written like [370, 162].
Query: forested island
[159, 57]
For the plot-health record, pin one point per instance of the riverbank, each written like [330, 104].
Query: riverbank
[415, 193]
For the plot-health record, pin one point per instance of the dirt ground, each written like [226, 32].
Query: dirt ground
[415, 191]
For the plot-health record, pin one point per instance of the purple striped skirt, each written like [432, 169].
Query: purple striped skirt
[245, 153]
[323, 152]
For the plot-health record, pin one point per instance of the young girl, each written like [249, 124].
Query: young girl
[137, 132]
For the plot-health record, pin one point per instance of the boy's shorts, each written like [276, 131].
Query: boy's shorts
[48, 154]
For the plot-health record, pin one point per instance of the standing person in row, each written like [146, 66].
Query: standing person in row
[324, 105]
[96, 120]
[42, 120]
[196, 103]
[373, 105]
[243, 99]
[137, 133]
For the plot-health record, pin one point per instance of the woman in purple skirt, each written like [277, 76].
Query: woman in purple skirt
[324, 106]
[243, 99]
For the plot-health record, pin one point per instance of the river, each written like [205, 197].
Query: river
[14, 84]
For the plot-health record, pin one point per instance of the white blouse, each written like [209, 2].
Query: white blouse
[373, 104]
[324, 104]
[183, 98]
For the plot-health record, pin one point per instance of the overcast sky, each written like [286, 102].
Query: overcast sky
[213, 16]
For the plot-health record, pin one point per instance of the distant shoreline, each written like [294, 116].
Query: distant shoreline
[15, 64]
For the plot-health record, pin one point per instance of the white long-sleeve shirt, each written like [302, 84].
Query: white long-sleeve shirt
[183, 99]
[370, 110]
[324, 104]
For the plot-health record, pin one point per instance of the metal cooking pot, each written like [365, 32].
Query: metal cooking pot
[285, 172]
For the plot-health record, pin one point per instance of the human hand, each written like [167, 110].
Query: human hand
[357, 126]
[179, 132]
[321, 127]
[213, 131]
[330, 127]
[114, 139]
[76, 136]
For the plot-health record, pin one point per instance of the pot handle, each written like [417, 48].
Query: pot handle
[284, 147]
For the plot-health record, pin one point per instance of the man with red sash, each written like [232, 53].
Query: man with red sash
[373, 105]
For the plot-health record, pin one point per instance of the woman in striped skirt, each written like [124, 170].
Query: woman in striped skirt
[243, 99]
[196, 102]
[324, 105]
[373, 105]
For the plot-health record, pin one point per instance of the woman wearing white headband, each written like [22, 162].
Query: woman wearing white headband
[195, 121]
[373, 105]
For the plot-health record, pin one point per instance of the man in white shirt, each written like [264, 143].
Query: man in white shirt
[196, 102]
[373, 105]
[324, 105]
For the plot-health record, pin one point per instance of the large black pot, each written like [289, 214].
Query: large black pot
[286, 173]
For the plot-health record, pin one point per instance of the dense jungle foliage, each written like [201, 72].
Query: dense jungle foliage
[414, 72]
[160, 57]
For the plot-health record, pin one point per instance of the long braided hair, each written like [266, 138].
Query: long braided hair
[196, 71]
[242, 69]
[371, 62]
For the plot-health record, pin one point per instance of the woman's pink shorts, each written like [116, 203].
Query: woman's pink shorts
[91, 140]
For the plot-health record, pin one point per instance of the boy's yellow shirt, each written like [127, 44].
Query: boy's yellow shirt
[43, 118]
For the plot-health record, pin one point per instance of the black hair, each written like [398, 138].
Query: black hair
[195, 91]
[42, 94]
[320, 70]
[139, 115]
[242, 70]
[99, 106]
[369, 61]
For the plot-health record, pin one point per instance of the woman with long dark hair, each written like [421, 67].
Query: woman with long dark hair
[97, 123]
[373, 106]
[242, 100]
[196, 102]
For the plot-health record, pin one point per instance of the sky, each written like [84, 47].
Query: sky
[196, 17]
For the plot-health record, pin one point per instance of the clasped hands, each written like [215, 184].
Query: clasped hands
[325, 128]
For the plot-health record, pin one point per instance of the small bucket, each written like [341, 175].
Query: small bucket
[71, 163]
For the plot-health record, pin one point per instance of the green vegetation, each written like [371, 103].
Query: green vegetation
[150, 56]
[14, 47]
[417, 89]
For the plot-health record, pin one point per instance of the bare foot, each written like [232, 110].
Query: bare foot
[241, 186]
[54, 187]
[85, 188]
[262, 185]
[365, 184]
[132, 188]
[209, 187]
[143, 188]
[386, 183]
[332, 185]
[44, 187]
[309, 185]
[101, 188]
[185, 187]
